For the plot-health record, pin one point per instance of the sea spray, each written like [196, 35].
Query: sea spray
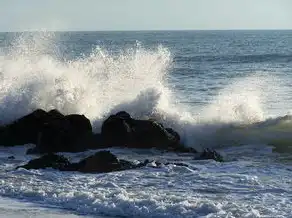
[92, 85]
[34, 74]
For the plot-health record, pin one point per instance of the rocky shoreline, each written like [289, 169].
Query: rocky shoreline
[52, 132]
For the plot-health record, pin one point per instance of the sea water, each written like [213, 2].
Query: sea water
[228, 90]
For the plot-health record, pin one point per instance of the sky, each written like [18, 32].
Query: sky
[91, 15]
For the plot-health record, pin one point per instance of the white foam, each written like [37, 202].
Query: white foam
[204, 189]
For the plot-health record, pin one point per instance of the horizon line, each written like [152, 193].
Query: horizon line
[149, 30]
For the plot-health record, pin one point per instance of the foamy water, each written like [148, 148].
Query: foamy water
[241, 115]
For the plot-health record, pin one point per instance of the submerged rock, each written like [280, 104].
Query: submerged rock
[100, 162]
[210, 154]
[47, 161]
[11, 157]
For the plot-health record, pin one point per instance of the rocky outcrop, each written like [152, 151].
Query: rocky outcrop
[53, 132]
[123, 131]
[67, 134]
[26, 129]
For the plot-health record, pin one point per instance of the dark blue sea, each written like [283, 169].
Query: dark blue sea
[227, 90]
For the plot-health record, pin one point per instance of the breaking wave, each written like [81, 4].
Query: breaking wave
[135, 80]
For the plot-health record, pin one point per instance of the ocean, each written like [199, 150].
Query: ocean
[226, 90]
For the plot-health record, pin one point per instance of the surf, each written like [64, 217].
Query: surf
[34, 74]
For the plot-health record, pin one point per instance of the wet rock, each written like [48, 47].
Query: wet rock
[69, 133]
[100, 162]
[47, 161]
[115, 130]
[123, 131]
[24, 130]
[103, 161]
[210, 154]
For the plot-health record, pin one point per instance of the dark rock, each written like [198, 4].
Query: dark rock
[210, 154]
[24, 130]
[49, 160]
[124, 115]
[115, 131]
[124, 131]
[11, 158]
[100, 162]
[55, 114]
[50, 132]
[103, 161]
[66, 134]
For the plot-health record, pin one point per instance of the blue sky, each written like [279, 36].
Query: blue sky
[19, 15]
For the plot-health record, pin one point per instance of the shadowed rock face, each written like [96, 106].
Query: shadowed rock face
[26, 129]
[47, 161]
[65, 134]
[121, 130]
[54, 132]
[208, 154]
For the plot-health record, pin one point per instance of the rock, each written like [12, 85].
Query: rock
[115, 130]
[49, 160]
[122, 130]
[100, 162]
[26, 129]
[69, 133]
[210, 154]
[11, 158]
[23, 130]
[55, 114]
[150, 134]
